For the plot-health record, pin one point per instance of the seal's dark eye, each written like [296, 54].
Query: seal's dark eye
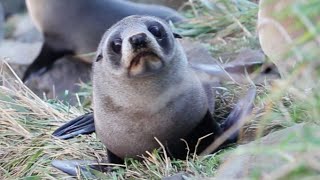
[116, 45]
[155, 30]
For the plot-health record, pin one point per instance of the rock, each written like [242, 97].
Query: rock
[23, 44]
[176, 4]
[243, 162]
[22, 29]
[19, 52]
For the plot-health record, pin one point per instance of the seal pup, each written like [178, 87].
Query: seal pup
[143, 87]
[75, 27]
[141, 80]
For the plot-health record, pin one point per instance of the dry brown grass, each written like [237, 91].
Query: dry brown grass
[26, 124]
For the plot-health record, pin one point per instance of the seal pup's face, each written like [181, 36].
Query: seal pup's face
[137, 46]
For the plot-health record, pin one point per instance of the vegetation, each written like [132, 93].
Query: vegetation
[26, 121]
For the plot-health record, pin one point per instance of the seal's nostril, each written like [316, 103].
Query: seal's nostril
[138, 40]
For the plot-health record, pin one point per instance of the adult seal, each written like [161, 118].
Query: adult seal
[143, 88]
[76, 26]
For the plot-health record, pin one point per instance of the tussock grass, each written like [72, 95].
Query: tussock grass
[225, 26]
[26, 124]
[27, 147]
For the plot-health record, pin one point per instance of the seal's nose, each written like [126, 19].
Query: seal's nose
[138, 41]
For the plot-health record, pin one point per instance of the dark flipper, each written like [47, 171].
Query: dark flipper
[242, 109]
[80, 125]
[71, 166]
[114, 159]
[88, 168]
[208, 128]
[44, 61]
[235, 120]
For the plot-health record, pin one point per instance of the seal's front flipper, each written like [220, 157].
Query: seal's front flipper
[80, 125]
[242, 109]
[71, 167]
[112, 158]
[44, 61]
[197, 140]
[235, 120]
[87, 169]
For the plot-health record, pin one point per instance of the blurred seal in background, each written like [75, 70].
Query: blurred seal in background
[75, 27]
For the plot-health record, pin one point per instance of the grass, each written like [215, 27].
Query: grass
[223, 25]
[26, 121]
[27, 147]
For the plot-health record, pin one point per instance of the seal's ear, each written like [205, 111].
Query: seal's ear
[175, 35]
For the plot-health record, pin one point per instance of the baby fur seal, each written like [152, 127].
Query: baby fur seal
[143, 87]
[75, 27]
[142, 82]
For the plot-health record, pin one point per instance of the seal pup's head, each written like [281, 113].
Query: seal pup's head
[138, 46]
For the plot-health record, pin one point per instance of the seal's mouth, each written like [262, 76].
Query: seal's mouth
[145, 63]
[136, 60]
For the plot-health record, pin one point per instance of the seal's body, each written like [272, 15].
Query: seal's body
[143, 90]
[142, 83]
[76, 26]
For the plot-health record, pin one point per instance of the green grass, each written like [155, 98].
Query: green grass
[26, 121]
[223, 25]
